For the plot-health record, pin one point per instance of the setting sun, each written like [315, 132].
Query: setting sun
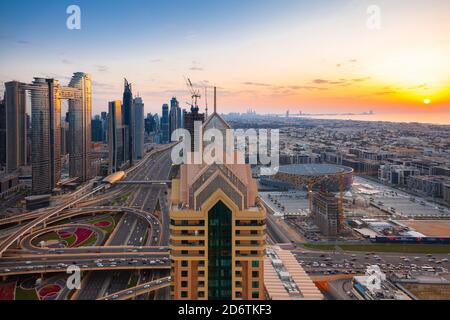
[427, 101]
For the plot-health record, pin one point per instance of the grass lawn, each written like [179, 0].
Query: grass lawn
[46, 237]
[107, 229]
[320, 247]
[90, 241]
[22, 294]
[400, 248]
[70, 240]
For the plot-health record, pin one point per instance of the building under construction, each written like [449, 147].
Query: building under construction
[325, 212]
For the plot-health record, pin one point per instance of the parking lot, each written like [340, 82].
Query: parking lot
[287, 203]
[396, 202]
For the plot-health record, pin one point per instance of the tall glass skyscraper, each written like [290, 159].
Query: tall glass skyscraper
[16, 129]
[80, 116]
[115, 139]
[128, 120]
[165, 130]
[46, 135]
[174, 115]
[139, 127]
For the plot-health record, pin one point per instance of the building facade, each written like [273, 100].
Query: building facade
[165, 128]
[80, 116]
[16, 129]
[325, 212]
[139, 127]
[115, 139]
[97, 129]
[217, 232]
[128, 121]
[46, 135]
[2, 134]
[189, 122]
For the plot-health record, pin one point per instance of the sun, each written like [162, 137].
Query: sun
[426, 101]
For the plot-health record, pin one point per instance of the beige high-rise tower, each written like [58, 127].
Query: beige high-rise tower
[217, 231]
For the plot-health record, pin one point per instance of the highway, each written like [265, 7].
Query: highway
[139, 290]
[132, 230]
[324, 263]
[133, 246]
[85, 263]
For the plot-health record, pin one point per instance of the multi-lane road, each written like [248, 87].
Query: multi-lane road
[132, 230]
[325, 263]
[128, 249]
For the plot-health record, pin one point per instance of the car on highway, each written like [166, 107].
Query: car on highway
[146, 286]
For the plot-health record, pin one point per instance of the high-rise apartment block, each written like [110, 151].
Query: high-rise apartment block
[217, 231]
[46, 135]
[16, 129]
[115, 138]
[139, 127]
[80, 116]
[2, 133]
[128, 120]
[165, 128]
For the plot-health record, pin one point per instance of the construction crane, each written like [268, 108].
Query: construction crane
[195, 94]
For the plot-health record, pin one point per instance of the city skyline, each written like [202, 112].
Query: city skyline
[316, 57]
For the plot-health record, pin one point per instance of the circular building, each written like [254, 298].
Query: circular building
[315, 176]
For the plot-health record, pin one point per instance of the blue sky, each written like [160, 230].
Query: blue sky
[255, 51]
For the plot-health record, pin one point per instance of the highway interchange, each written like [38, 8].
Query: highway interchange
[133, 248]
[136, 253]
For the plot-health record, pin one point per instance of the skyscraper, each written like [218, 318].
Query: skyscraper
[128, 120]
[217, 231]
[139, 127]
[16, 135]
[174, 115]
[150, 125]
[104, 119]
[115, 139]
[97, 129]
[189, 122]
[80, 116]
[46, 135]
[165, 129]
[2, 133]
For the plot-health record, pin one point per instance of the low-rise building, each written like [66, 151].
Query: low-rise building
[285, 279]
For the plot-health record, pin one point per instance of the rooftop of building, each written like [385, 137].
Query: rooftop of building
[285, 279]
[314, 169]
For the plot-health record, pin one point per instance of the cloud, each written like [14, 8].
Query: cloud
[384, 93]
[65, 61]
[102, 68]
[195, 66]
[257, 84]
[323, 81]
[361, 79]
[24, 42]
[156, 60]
[307, 88]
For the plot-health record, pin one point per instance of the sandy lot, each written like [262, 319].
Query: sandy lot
[431, 228]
